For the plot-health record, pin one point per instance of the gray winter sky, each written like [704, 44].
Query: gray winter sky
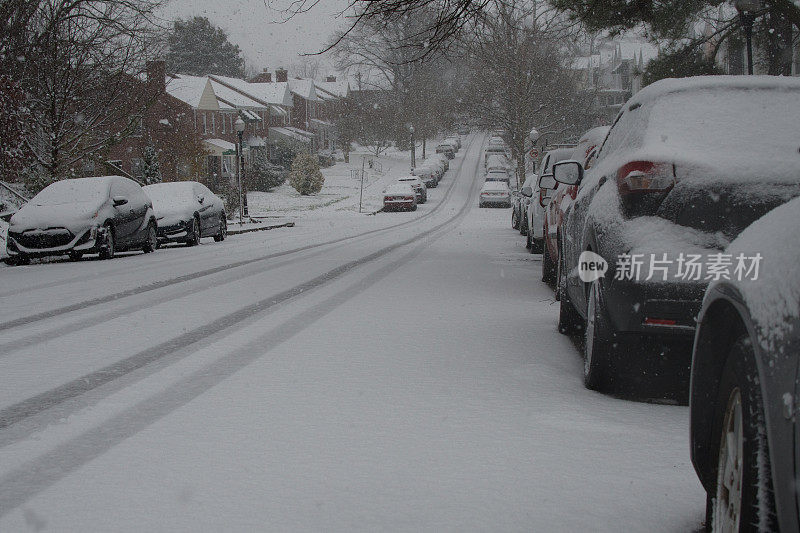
[255, 28]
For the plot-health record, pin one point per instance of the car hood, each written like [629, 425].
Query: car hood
[71, 216]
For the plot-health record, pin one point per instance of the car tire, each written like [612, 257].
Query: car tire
[151, 243]
[743, 481]
[514, 219]
[598, 345]
[223, 229]
[414, 208]
[548, 268]
[534, 244]
[75, 256]
[108, 248]
[523, 224]
[569, 321]
[193, 239]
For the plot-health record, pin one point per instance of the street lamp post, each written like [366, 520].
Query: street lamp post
[747, 15]
[239, 127]
[413, 148]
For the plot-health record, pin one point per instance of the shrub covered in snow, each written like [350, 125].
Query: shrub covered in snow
[263, 175]
[306, 177]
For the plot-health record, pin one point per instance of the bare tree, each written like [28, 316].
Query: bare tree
[77, 62]
[520, 77]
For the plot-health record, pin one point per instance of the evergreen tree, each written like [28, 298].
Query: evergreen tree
[151, 170]
[306, 177]
[198, 48]
[263, 175]
[679, 63]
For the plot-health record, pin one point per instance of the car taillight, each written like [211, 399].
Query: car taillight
[639, 177]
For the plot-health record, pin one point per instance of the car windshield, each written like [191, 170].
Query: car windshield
[82, 190]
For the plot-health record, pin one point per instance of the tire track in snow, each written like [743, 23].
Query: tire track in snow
[203, 273]
[34, 405]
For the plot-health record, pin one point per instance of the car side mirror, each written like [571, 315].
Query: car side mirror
[568, 172]
[201, 198]
[546, 181]
[527, 191]
[119, 200]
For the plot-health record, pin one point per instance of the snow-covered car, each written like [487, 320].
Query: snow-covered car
[455, 140]
[494, 150]
[687, 165]
[520, 199]
[446, 149]
[103, 215]
[497, 162]
[563, 196]
[445, 161]
[418, 186]
[495, 193]
[427, 174]
[498, 175]
[533, 224]
[186, 211]
[744, 383]
[399, 196]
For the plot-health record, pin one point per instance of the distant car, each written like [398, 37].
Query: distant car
[497, 162]
[499, 175]
[418, 186]
[534, 214]
[102, 215]
[455, 140]
[463, 130]
[564, 195]
[520, 200]
[495, 193]
[687, 165]
[186, 211]
[427, 175]
[745, 382]
[399, 196]
[494, 150]
[445, 161]
[446, 149]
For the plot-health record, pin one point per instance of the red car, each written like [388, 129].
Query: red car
[399, 196]
[562, 196]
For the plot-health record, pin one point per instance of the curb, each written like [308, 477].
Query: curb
[265, 228]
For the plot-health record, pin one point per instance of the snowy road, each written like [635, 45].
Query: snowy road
[400, 371]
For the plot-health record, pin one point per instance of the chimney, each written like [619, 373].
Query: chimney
[262, 77]
[330, 78]
[156, 75]
[281, 74]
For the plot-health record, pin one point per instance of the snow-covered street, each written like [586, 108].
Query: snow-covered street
[401, 371]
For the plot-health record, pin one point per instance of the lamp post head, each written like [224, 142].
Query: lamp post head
[534, 135]
[411, 129]
[239, 125]
[743, 6]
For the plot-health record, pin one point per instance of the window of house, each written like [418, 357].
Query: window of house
[213, 122]
[205, 123]
[224, 122]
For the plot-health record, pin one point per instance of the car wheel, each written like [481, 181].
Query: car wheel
[514, 219]
[744, 494]
[223, 229]
[193, 239]
[598, 344]
[569, 321]
[107, 248]
[535, 245]
[414, 208]
[75, 256]
[152, 239]
[523, 224]
[548, 268]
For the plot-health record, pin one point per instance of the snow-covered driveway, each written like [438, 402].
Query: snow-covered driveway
[410, 378]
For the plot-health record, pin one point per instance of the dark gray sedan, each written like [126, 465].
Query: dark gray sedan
[745, 436]
[187, 211]
[103, 215]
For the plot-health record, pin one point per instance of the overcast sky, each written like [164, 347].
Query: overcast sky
[255, 28]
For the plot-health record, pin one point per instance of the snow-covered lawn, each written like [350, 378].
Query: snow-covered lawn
[340, 194]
